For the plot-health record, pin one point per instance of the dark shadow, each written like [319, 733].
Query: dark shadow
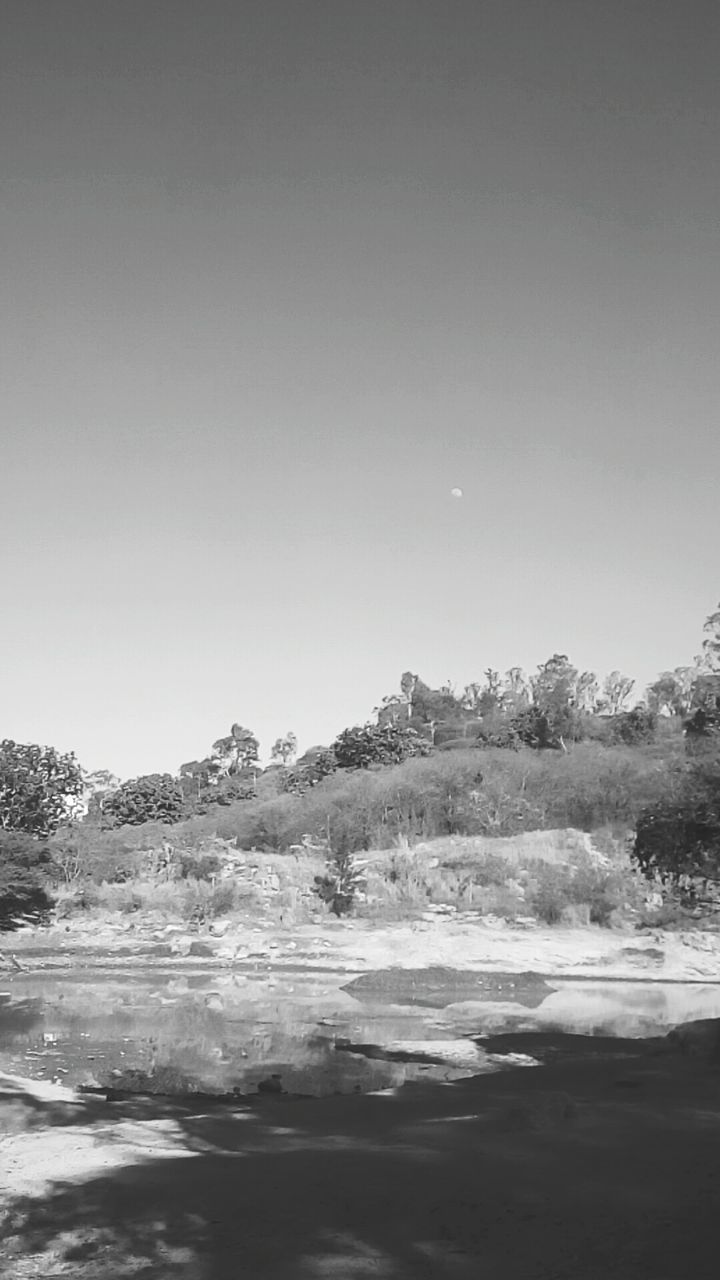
[18, 1018]
[585, 1169]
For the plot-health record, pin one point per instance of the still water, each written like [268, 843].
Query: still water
[224, 1031]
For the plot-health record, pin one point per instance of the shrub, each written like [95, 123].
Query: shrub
[196, 865]
[369, 744]
[25, 879]
[679, 843]
[344, 878]
[547, 894]
[156, 797]
[552, 890]
[22, 897]
[632, 727]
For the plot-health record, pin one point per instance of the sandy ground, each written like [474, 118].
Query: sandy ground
[594, 1165]
[587, 1166]
[357, 945]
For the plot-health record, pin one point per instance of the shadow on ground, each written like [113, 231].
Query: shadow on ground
[581, 1168]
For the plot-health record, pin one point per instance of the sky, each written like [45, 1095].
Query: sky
[278, 275]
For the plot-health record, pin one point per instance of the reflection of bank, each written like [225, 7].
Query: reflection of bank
[628, 1008]
[612, 1008]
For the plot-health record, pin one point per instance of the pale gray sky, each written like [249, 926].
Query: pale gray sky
[277, 276]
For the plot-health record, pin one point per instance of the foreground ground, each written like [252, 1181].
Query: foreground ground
[602, 1162]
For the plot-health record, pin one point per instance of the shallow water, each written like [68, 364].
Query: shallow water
[219, 1031]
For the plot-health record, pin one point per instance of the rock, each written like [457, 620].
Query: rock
[438, 986]
[201, 949]
[644, 957]
[214, 1002]
[700, 941]
[219, 928]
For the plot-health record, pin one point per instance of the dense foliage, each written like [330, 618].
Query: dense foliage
[37, 787]
[156, 797]
[677, 839]
[373, 744]
[25, 879]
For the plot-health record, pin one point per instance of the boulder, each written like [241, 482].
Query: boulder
[201, 949]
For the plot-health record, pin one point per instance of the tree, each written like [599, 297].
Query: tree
[517, 689]
[239, 750]
[434, 704]
[672, 692]
[285, 749]
[677, 840]
[633, 727]
[555, 697]
[316, 763]
[369, 744]
[155, 797]
[586, 692]
[616, 690]
[710, 659]
[530, 727]
[38, 787]
[96, 787]
[491, 696]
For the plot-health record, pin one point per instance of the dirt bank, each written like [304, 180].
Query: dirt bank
[357, 946]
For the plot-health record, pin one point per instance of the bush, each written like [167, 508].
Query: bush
[633, 727]
[369, 744]
[25, 879]
[553, 890]
[156, 797]
[185, 899]
[22, 897]
[678, 842]
[196, 865]
[344, 878]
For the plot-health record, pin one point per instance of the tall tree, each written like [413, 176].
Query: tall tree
[616, 690]
[710, 657]
[285, 749]
[518, 694]
[239, 750]
[554, 695]
[672, 692]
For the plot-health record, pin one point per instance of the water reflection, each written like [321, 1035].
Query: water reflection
[233, 1030]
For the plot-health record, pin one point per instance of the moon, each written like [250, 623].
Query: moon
[456, 493]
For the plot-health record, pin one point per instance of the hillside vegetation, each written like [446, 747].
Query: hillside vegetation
[511, 754]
